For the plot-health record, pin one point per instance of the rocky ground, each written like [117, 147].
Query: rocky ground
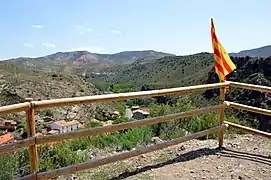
[244, 157]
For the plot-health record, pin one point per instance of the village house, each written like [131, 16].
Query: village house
[137, 113]
[141, 113]
[8, 125]
[6, 138]
[64, 126]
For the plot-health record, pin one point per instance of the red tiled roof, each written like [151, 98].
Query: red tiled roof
[6, 138]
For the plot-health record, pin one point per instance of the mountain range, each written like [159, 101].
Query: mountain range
[172, 71]
[82, 62]
[79, 62]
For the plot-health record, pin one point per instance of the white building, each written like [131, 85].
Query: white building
[128, 113]
[63, 126]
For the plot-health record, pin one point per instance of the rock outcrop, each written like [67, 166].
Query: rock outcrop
[253, 71]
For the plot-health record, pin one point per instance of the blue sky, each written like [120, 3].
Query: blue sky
[37, 27]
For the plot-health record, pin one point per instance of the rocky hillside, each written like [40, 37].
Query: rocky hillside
[249, 70]
[17, 84]
[64, 62]
[257, 52]
[82, 62]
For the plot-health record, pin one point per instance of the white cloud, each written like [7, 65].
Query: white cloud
[115, 31]
[28, 45]
[93, 49]
[83, 30]
[49, 45]
[38, 26]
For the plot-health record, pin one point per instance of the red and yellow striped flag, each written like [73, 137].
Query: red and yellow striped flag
[223, 63]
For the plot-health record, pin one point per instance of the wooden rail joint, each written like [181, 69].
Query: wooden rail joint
[33, 152]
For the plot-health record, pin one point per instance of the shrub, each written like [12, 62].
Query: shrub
[58, 156]
[7, 166]
[80, 143]
[22, 124]
[121, 120]
[139, 135]
[48, 112]
[234, 119]
[93, 124]
[39, 129]
[120, 107]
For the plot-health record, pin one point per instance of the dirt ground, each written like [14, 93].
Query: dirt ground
[243, 157]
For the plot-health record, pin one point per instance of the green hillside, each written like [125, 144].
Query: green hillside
[165, 72]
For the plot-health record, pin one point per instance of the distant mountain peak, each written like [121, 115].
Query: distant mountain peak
[263, 51]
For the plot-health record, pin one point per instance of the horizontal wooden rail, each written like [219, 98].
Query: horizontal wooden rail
[250, 86]
[14, 108]
[106, 160]
[127, 125]
[249, 108]
[124, 96]
[7, 148]
[249, 130]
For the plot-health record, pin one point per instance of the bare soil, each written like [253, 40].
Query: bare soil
[243, 157]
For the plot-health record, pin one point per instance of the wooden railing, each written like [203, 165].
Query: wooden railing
[32, 141]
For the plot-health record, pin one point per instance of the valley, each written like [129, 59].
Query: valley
[73, 74]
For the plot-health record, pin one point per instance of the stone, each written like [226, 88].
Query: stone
[143, 156]
[182, 148]
[156, 140]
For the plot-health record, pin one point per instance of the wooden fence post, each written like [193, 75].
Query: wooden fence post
[33, 153]
[222, 116]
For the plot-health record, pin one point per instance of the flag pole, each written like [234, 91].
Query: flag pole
[221, 75]
[221, 115]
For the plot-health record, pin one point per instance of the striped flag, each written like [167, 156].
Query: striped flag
[223, 63]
